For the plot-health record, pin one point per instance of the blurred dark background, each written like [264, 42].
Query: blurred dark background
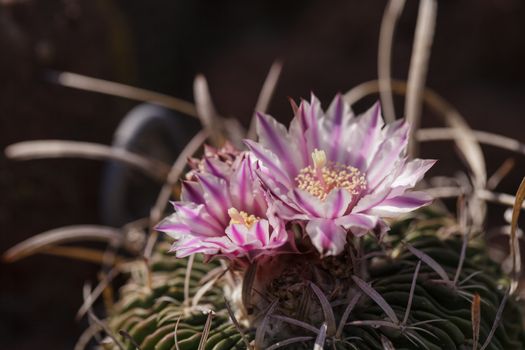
[327, 47]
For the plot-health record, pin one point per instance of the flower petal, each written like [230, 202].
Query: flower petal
[395, 206]
[326, 236]
[413, 171]
[270, 161]
[216, 196]
[366, 138]
[336, 203]
[274, 136]
[387, 155]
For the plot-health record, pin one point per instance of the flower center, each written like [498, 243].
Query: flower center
[324, 176]
[242, 217]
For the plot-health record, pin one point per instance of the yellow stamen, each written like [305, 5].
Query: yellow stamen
[325, 176]
[319, 158]
[241, 217]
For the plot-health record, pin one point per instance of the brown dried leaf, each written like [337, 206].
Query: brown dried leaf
[426, 20]
[41, 149]
[265, 96]
[514, 242]
[68, 234]
[83, 82]
[475, 312]
[386, 36]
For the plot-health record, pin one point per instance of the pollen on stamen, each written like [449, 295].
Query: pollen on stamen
[319, 180]
[242, 217]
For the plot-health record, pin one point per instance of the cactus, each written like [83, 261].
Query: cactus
[311, 237]
[392, 306]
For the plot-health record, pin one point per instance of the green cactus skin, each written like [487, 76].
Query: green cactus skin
[149, 316]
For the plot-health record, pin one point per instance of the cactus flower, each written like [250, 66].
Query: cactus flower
[338, 173]
[224, 211]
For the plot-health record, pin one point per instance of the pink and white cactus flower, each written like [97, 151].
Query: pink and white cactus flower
[224, 211]
[337, 173]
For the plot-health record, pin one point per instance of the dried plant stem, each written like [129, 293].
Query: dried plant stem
[514, 241]
[82, 82]
[418, 67]
[93, 318]
[453, 191]
[44, 240]
[86, 336]
[206, 331]
[231, 313]
[504, 169]
[77, 253]
[463, 135]
[93, 295]
[386, 36]
[476, 320]
[187, 279]
[206, 111]
[265, 96]
[28, 150]
[171, 179]
[484, 137]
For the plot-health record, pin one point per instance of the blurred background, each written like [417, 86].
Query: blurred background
[327, 47]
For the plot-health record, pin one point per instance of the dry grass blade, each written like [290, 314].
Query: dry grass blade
[44, 240]
[289, 341]
[487, 138]
[465, 231]
[504, 169]
[475, 312]
[346, 314]
[206, 111]
[265, 96]
[82, 82]
[83, 254]
[466, 139]
[430, 262]
[93, 318]
[453, 191]
[74, 149]
[497, 320]
[387, 344]
[295, 322]
[128, 336]
[86, 336]
[236, 324]
[377, 298]
[261, 330]
[514, 242]
[187, 279]
[175, 338]
[426, 20]
[171, 179]
[411, 295]
[202, 290]
[321, 337]
[247, 286]
[206, 331]
[328, 313]
[93, 296]
[386, 37]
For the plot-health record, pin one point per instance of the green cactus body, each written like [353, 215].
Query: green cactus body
[440, 316]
